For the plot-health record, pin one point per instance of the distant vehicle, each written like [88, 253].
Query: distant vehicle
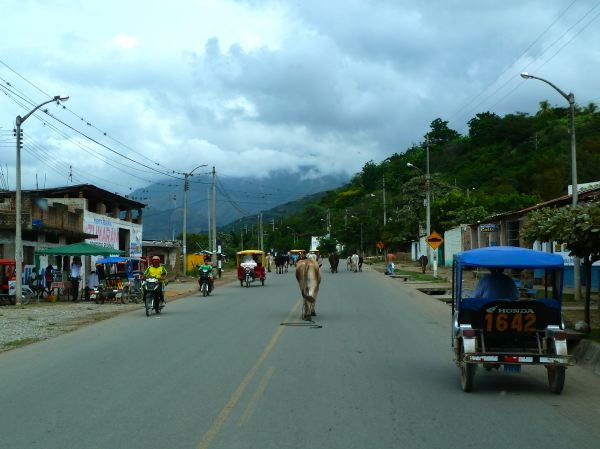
[151, 287]
[510, 333]
[297, 254]
[250, 266]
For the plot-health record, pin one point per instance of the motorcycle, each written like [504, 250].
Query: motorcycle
[151, 288]
[204, 281]
[248, 276]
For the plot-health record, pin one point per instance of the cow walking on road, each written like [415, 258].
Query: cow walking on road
[308, 276]
[334, 261]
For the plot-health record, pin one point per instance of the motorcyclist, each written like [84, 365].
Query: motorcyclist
[211, 282]
[158, 271]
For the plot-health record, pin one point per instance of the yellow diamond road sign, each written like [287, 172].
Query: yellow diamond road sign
[434, 240]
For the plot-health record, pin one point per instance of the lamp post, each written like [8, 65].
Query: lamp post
[293, 232]
[570, 97]
[428, 203]
[186, 187]
[361, 233]
[18, 234]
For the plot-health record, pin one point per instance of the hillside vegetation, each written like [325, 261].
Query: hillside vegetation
[503, 164]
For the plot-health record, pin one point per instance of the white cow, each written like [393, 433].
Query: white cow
[308, 276]
[354, 261]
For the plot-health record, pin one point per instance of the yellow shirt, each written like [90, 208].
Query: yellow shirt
[157, 272]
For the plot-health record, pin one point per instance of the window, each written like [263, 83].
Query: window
[512, 233]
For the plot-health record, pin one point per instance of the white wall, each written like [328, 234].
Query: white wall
[452, 244]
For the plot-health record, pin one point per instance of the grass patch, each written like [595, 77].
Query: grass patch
[594, 335]
[418, 276]
[22, 342]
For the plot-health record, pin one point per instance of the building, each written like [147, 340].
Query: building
[169, 251]
[64, 215]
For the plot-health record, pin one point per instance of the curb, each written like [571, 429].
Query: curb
[587, 353]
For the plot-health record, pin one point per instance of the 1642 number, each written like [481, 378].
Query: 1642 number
[503, 322]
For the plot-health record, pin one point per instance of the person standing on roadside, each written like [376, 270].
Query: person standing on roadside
[48, 278]
[75, 278]
[390, 263]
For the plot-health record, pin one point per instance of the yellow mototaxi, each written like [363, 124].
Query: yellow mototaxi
[250, 266]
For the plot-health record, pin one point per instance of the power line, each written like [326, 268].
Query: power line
[555, 53]
[512, 79]
[88, 123]
[516, 60]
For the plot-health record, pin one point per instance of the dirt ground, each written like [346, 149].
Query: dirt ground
[22, 325]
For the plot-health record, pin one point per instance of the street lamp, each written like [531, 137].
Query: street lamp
[361, 233]
[428, 205]
[18, 235]
[570, 97]
[293, 232]
[186, 187]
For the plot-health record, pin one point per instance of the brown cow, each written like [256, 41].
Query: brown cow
[308, 276]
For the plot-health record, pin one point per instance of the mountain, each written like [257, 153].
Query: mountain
[237, 197]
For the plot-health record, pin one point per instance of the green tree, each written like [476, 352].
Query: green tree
[440, 134]
[578, 227]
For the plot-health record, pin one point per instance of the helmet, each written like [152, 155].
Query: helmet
[155, 258]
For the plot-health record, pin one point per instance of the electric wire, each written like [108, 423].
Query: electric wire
[104, 133]
[515, 61]
[512, 79]
[80, 144]
[86, 148]
[508, 94]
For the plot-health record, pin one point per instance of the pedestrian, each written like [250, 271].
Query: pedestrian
[75, 278]
[48, 278]
[390, 263]
[92, 283]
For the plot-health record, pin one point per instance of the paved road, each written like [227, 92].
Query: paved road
[222, 372]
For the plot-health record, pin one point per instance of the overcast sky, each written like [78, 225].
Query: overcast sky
[313, 86]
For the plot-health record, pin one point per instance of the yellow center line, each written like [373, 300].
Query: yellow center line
[262, 386]
[220, 420]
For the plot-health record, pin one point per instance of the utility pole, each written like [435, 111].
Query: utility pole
[209, 239]
[18, 218]
[214, 210]
[384, 208]
[428, 220]
[570, 97]
[186, 187]
[260, 231]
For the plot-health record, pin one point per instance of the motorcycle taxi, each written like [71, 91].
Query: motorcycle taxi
[491, 333]
[250, 266]
[8, 284]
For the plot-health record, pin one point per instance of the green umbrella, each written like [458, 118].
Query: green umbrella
[80, 249]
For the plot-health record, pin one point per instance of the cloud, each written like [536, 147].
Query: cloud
[254, 87]
[124, 41]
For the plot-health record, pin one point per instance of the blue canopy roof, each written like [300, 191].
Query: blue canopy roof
[113, 259]
[508, 257]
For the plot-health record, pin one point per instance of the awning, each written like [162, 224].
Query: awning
[79, 249]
